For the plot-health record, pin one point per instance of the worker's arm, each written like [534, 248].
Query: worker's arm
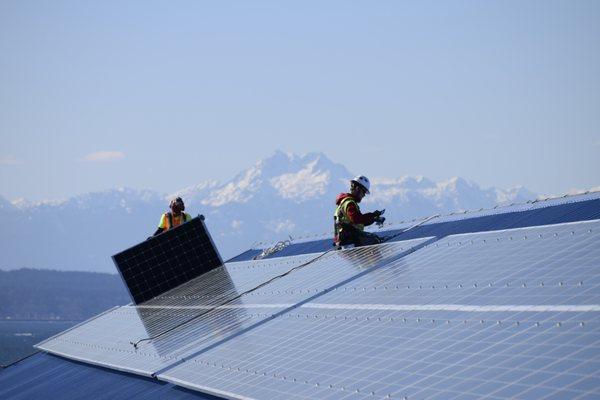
[161, 225]
[357, 217]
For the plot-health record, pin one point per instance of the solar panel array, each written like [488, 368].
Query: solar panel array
[498, 315]
[168, 260]
[503, 314]
[210, 308]
[534, 213]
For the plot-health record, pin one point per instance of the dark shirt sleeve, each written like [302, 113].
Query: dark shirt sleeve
[159, 231]
[357, 217]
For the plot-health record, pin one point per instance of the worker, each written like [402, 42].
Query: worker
[349, 222]
[173, 218]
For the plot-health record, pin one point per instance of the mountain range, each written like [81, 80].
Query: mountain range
[282, 195]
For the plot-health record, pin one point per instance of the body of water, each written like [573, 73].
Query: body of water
[18, 337]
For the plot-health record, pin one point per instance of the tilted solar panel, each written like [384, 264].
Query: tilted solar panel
[168, 260]
[107, 339]
[505, 314]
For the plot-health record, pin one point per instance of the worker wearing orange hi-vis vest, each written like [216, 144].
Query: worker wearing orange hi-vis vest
[349, 222]
[173, 218]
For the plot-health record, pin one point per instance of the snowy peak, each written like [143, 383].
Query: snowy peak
[281, 163]
[309, 182]
[6, 205]
[406, 182]
[111, 199]
[457, 185]
[240, 190]
[455, 194]
[517, 194]
[24, 204]
[194, 195]
[285, 176]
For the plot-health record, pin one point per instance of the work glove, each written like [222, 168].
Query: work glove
[378, 213]
[379, 221]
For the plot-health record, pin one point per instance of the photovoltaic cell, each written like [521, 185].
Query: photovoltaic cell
[168, 260]
[499, 315]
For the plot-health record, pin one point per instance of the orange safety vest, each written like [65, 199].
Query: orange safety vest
[172, 222]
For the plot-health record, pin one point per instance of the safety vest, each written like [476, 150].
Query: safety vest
[169, 220]
[341, 219]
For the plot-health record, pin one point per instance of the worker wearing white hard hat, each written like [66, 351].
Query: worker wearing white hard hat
[349, 222]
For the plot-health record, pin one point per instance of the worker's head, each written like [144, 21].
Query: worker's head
[177, 206]
[359, 187]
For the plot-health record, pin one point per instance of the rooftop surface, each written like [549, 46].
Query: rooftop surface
[501, 303]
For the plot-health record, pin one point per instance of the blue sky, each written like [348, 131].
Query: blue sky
[164, 95]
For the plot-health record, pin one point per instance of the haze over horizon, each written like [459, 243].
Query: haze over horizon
[142, 95]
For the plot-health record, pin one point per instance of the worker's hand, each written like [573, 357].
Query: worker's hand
[378, 213]
[379, 221]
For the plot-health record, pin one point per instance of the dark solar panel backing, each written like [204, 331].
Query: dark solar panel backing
[167, 260]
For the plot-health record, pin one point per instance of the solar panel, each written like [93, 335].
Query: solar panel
[168, 260]
[182, 321]
[505, 314]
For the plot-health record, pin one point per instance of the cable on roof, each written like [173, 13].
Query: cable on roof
[388, 238]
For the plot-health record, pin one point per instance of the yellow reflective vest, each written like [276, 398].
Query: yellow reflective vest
[168, 220]
[341, 218]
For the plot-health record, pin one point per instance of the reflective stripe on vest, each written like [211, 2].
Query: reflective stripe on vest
[169, 220]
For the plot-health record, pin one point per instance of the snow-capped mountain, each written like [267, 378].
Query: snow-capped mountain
[282, 195]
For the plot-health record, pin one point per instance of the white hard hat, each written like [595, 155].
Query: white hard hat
[363, 181]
